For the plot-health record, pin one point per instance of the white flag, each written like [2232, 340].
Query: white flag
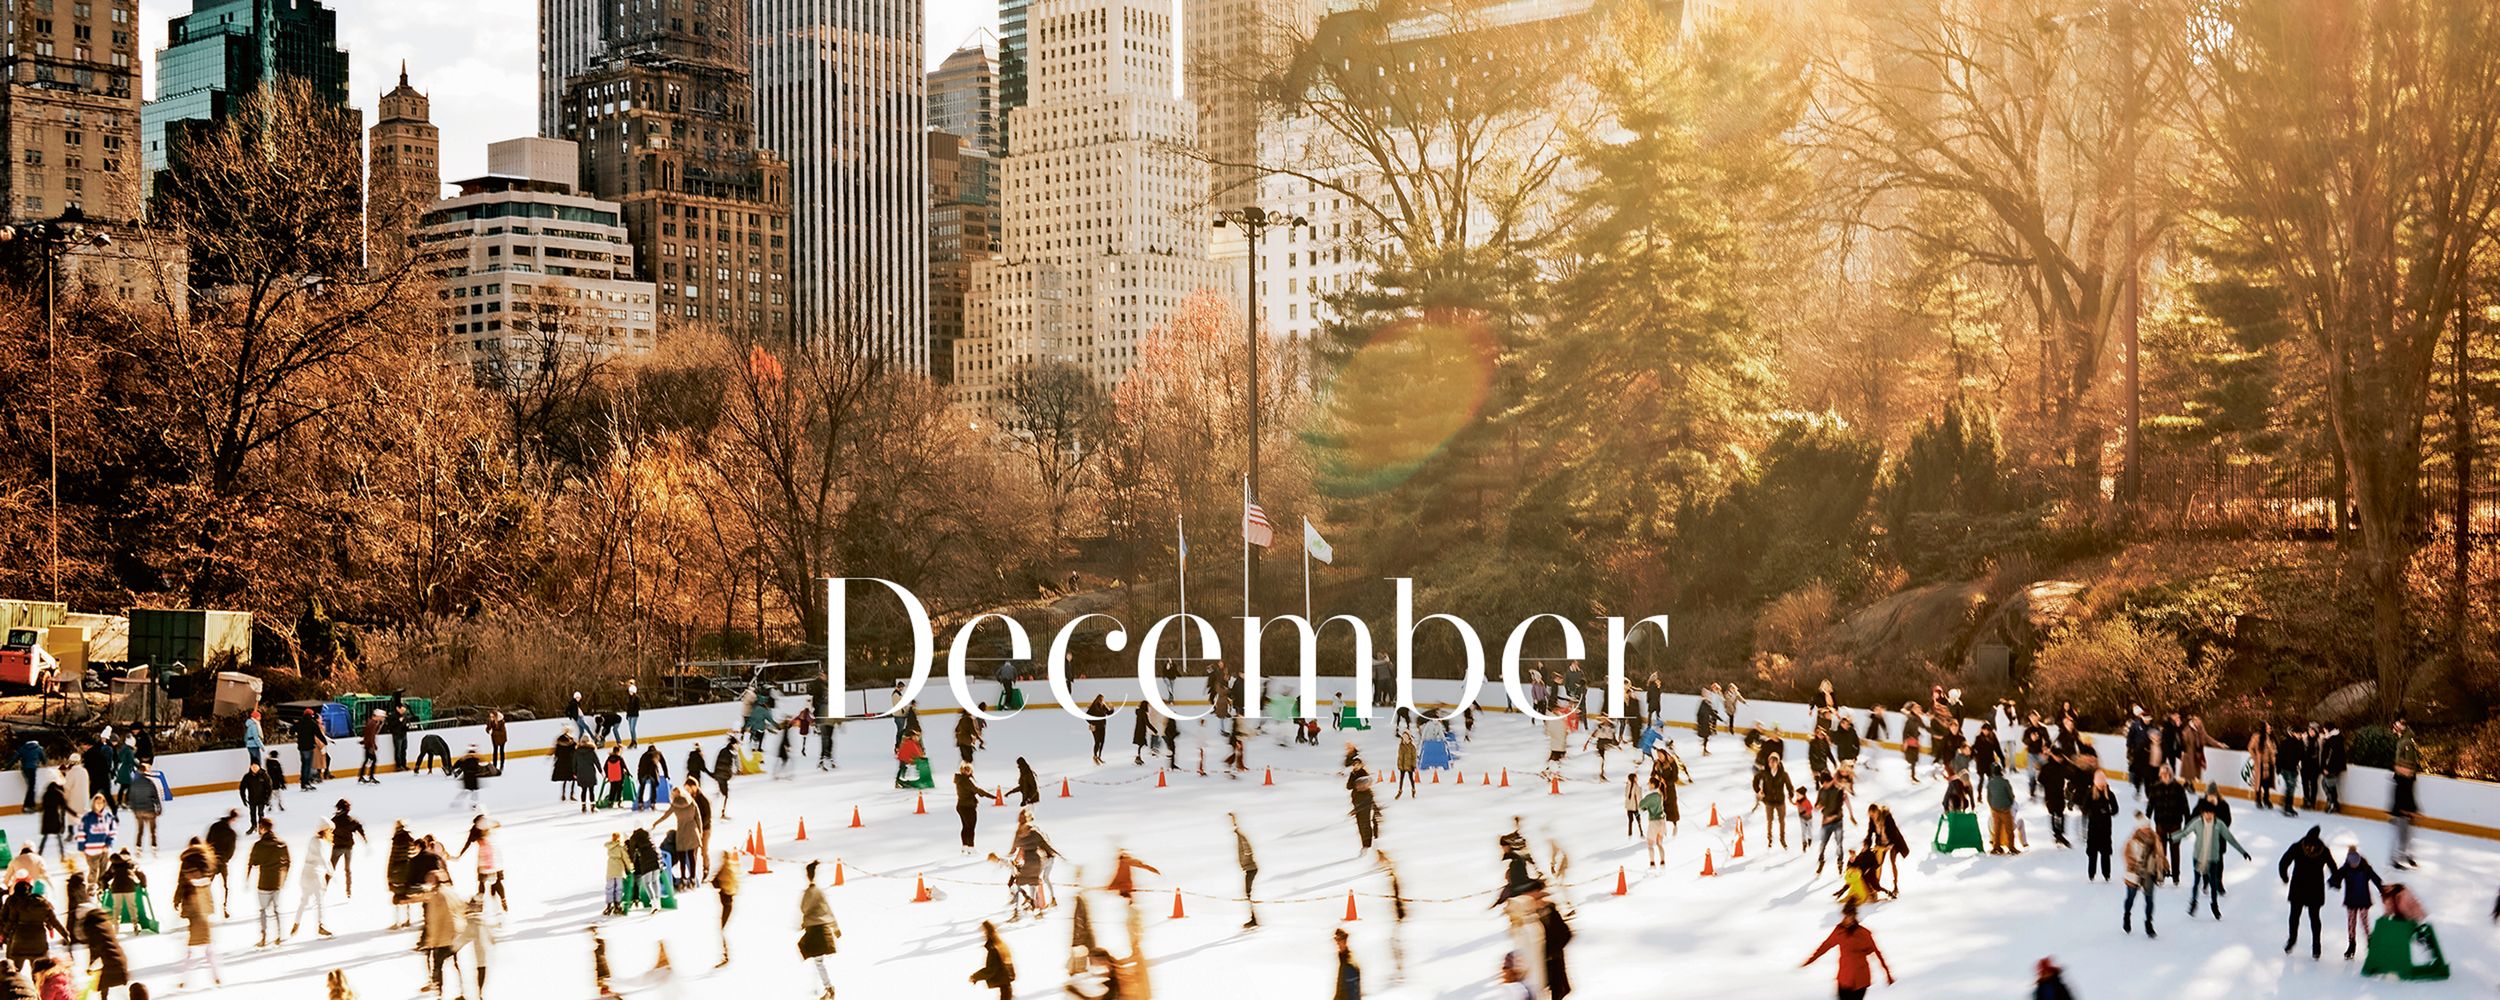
[1315, 545]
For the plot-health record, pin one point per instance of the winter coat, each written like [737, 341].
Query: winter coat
[2000, 793]
[445, 919]
[2356, 878]
[254, 787]
[2217, 806]
[57, 814]
[1028, 786]
[221, 842]
[2100, 806]
[2260, 759]
[1706, 718]
[641, 852]
[2211, 838]
[271, 858]
[97, 930]
[2305, 865]
[27, 921]
[95, 832]
[818, 931]
[998, 966]
[142, 797]
[1856, 945]
[585, 765]
[2168, 804]
[2145, 861]
[560, 760]
[617, 865]
[725, 763]
[968, 795]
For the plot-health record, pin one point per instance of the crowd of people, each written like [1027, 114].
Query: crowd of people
[99, 804]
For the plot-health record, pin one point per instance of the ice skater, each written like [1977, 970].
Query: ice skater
[1855, 944]
[2304, 869]
[818, 931]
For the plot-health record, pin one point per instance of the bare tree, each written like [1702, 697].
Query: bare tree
[1059, 419]
[2357, 153]
[2044, 116]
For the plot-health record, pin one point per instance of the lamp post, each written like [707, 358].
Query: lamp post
[1254, 223]
[54, 239]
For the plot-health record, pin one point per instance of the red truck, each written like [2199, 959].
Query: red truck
[24, 662]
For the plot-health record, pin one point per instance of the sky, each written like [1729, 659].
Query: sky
[478, 60]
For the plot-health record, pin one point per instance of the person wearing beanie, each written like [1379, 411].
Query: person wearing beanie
[2049, 982]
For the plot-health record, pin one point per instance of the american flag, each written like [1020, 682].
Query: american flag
[1254, 527]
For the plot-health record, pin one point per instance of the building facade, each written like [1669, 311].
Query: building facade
[1103, 218]
[69, 112]
[963, 95]
[1015, 61]
[842, 96]
[569, 41]
[403, 171]
[963, 230]
[665, 122]
[223, 51]
[1233, 47]
[533, 274]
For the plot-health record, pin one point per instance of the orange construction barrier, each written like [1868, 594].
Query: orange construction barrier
[1349, 905]
[920, 890]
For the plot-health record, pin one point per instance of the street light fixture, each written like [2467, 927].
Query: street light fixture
[54, 239]
[1254, 223]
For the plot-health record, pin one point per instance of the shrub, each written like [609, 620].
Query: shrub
[2105, 666]
[1794, 622]
[1951, 504]
[2374, 746]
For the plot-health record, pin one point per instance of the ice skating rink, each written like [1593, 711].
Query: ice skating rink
[1968, 926]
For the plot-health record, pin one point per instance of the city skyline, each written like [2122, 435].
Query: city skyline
[471, 74]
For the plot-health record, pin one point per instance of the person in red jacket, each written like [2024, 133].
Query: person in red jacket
[1855, 943]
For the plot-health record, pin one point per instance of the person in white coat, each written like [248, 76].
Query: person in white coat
[312, 874]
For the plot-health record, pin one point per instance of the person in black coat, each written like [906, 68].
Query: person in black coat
[102, 938]
[2332, 758]
[2100, 807]
[1139, 735]
[2168, 805]
[2304, 868]
[2291, 759]
[968, 798]
[560, 766]
[58, 819]
[254, 788]
[586, 773]
[1028, 786]
[27, 922]
[2055, 778]
[222, 838]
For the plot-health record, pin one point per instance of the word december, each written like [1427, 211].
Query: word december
[1020, 643]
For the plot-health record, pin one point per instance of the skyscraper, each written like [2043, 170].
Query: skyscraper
[665, 124]
[534, 273]
[963, 94]
[1015, 60]
[963, 199]
[841, 95]
[1232, 45]
[403, 171]
[1103, 220]
[223, 51]
[568, 42]
[69, 113]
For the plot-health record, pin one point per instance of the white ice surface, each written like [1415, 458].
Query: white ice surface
[1970, 926]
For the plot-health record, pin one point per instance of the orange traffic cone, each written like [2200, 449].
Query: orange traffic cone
[755, 840]
[837, 873]
[760, 868]
[802, 829]
[1159, 778]
[1436, 776]
[855, 823]
[1506, 777]
[1001, 796]
[1349, 905]
[1623, 882]
[1271, 777]
[1708, 866]
[1176, 905]
[1714, 814]
[1063, 788]
[1488, 779]
[1557, 787]
[1740, 846]
[920, 804]
[920, 890]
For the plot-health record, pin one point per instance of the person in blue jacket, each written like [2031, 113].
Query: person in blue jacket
[251, 736]
[30, 761]
[2358, 880]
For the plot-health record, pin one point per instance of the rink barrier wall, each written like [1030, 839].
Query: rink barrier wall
[2450, 805]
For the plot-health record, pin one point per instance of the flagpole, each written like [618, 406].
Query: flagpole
[1245, 549]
